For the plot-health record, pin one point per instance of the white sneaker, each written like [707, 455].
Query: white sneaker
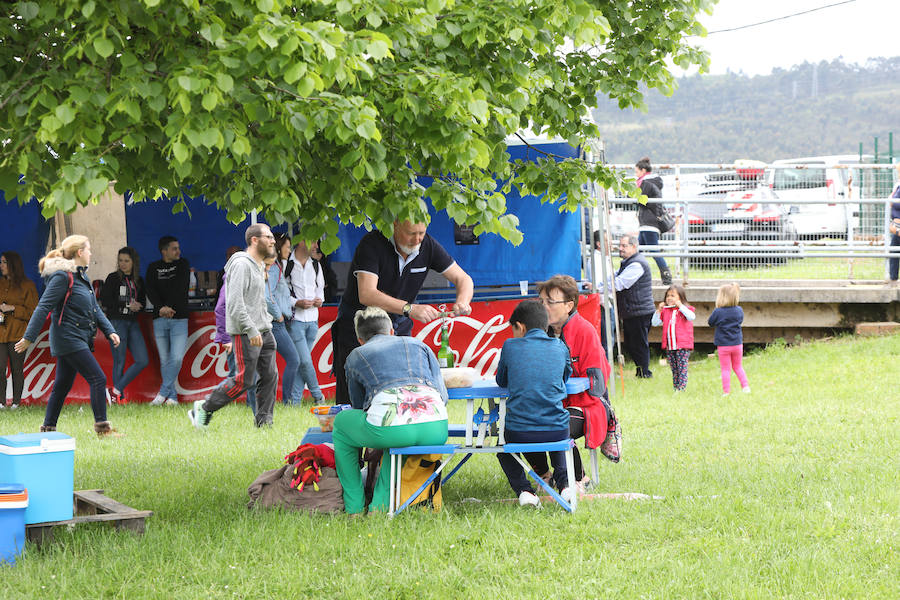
[746, 390]
[171, 402]
[528, 499]
[158, 401]
[568, 494]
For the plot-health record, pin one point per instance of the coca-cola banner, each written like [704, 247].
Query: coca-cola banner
[476, 340]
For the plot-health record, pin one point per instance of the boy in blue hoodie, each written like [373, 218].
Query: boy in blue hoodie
[534, 368]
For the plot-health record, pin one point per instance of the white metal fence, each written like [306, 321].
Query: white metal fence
[804, 219]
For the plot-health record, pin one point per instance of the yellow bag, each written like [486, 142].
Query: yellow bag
[416, 469]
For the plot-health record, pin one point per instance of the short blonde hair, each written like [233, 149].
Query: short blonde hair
[67, 249]
[729, 295]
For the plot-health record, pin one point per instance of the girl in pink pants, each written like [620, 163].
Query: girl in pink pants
[727, 318]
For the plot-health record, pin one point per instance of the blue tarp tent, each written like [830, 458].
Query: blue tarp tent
[24, 230]
[550, 246]
[551, 239]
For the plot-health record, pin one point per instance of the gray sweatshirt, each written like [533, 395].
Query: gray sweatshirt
[245, 297]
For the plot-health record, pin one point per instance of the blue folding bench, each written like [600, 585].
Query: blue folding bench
[397, 454]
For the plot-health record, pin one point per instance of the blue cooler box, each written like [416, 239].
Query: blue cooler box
[13, 502]
[45, 464]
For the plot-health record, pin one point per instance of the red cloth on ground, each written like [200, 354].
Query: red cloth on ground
[587, 353]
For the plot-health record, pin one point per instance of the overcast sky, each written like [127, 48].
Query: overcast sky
[857, 30]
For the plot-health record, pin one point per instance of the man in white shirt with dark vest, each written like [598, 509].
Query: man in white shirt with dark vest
[634, 298]
[307, 284]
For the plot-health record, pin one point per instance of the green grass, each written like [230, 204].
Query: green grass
[789, 492]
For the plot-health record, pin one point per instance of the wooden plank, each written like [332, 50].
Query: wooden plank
[92, 506]
[101, 502]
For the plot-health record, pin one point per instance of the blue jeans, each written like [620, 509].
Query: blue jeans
[251, 393]
[130, 338]
[303, 334]
[171, 342]
[288, 352]
[651, 238]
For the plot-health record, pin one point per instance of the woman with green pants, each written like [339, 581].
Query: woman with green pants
[398, 398]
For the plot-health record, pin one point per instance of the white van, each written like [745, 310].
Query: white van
[815, 178]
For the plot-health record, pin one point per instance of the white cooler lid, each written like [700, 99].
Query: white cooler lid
[36, 443]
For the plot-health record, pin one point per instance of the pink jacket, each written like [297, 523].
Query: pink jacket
[682, 333]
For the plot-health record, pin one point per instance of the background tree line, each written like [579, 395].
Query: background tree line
[807, 110]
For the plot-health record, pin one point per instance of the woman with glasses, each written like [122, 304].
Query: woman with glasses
[18, 297]
[587, 414]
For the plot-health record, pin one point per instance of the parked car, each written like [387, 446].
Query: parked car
[748, 211]
[806, 179]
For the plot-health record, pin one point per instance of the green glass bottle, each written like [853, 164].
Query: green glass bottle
[445, 354]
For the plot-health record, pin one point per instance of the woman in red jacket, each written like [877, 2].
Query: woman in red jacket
[677, 320]
[587, 414]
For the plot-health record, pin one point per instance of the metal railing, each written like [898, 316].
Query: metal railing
[809, 219]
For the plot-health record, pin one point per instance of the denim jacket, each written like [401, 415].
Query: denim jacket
[280, 292]
[390, 361]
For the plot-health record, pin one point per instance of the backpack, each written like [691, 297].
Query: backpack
[417, 468]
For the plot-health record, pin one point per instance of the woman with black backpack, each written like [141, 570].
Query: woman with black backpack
[74, 317]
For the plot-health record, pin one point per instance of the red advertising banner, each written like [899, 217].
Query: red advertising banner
[476, 341]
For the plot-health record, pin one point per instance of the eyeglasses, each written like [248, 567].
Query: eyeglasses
[267, 236]
[548, 301]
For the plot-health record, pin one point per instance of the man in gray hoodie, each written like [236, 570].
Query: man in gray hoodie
[250, 326]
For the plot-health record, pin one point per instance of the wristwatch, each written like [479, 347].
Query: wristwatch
[406, 309]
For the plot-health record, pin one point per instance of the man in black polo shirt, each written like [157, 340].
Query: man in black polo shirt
[388, 273]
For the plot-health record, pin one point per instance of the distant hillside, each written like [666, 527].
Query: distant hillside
[808, 110]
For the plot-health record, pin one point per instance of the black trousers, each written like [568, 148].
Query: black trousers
[16, 370]
[538, 460]
[635, 331]
[516, 476]
[80, 362]
[342, 344]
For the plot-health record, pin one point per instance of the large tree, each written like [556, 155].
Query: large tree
[316, 109]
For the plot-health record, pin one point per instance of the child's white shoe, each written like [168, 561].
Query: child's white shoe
[528, 499]
[746, 390]
[568, 494]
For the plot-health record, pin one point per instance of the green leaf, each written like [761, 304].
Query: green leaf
[374, 20]
[180, 151]
[299, 122]
[265, 5]
[367, 130]
[294, 72]
[186, 83]
[343, 6]
[28, 10]
[88, 9]
[479, 108]
[224, 82]
[378, 49]
[441, 40]
[65, 113]
[151, 3]
[103, 47]
[434, 6]
[210, 100]
[306, 86]
[97, 186]
[225, 164]
[268, 38]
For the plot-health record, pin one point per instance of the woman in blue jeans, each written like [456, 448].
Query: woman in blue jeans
[74, 317]
[122, 298]
[278, 301]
